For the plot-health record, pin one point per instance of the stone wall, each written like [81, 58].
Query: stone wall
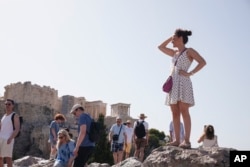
[38, 105]
[96, 108]
[33, 94]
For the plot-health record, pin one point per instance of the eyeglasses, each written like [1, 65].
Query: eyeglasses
[60, 137]
[8, 104]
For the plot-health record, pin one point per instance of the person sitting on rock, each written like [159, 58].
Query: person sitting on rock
[208, 137]
[65, 147]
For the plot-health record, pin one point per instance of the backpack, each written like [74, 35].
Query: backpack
[21, 121]
[94, 131]
[140, 131]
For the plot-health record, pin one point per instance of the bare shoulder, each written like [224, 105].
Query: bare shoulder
[191, 51]
[193, 54]
[16, 116]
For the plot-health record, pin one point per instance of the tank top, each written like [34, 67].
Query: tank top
[6, 126]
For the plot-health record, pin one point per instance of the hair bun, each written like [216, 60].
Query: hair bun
[188, 33]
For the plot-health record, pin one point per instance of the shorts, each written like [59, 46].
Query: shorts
[6, 150]
[115, 147]
[52, 143]
[140, 143]
[127, 148]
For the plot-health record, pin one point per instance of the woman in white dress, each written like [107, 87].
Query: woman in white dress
[180, 98]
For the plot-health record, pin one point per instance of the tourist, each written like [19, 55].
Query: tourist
[65, 147]
[54, 129]
[208, 138]
[172, 134]
[140, 136]
[117, 137]
[84, 146]
[70, 134]
[180, 98]
[129, 131]
[7, 133]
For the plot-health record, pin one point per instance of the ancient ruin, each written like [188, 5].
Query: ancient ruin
[38, 105]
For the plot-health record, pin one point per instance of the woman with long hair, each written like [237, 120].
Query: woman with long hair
[65, 146]
[208, 137]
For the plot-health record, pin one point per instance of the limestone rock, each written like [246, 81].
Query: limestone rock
[29, 161]
[170, 156]
[131, 162]
[164, 156]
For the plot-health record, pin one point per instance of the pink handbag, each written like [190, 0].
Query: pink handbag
[168, 84]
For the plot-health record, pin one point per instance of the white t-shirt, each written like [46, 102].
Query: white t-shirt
[115, 129]
[129, 131]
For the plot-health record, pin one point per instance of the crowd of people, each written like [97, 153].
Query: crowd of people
[122, 137]
[63, 149]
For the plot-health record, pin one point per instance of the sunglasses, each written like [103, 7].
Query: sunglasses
[60, 137]
[8, 104]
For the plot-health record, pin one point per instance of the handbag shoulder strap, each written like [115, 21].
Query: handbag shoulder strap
[179, 56]
[120, 130]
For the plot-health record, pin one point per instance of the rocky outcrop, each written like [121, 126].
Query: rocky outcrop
[29, 161]
[164, 156]
[169, 156]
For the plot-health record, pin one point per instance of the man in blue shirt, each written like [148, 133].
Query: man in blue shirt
[172, 133]
[84, 147]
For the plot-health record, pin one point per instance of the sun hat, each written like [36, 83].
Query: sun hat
[118, 117]
[128, 121]
[75, 107]
[142, 116]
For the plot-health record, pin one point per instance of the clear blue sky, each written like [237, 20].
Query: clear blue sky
[107, 50]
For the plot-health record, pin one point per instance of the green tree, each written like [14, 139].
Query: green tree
[102, 153]
[155, 140]
[157, 133]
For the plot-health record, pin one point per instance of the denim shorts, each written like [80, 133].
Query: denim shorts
[115, 147]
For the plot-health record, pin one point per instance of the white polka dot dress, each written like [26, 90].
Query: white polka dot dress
[182, 89]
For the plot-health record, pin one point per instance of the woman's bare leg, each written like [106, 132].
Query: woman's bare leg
[184, 109]
[176, 122]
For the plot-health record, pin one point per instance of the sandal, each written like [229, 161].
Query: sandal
[176, 144]
[185, 145]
